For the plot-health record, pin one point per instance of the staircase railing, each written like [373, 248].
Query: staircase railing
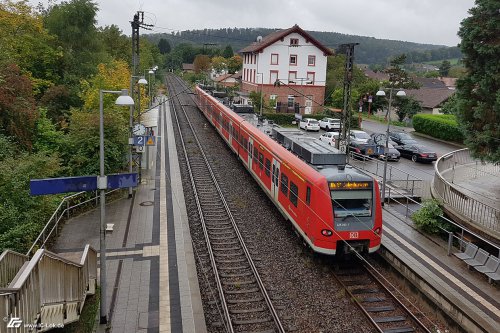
[47, 292]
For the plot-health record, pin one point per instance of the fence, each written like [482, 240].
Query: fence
[476, 212]
[395, 177]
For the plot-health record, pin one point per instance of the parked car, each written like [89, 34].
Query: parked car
[417, 153]
[329, 137]
[392, 154]
[379, 139]
[330, 124]
[360, 142]
[357, 136]
[309, 124]
[402, 138]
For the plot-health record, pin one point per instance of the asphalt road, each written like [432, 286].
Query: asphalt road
[419, 170]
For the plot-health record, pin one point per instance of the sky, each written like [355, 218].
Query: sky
[420, 21]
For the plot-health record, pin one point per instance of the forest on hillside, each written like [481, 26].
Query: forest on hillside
[369, 51]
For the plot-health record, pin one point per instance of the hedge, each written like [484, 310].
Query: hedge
[439, 126]
[287, 118]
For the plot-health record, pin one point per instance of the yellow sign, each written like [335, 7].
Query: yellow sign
[350, 185]
[151, 141]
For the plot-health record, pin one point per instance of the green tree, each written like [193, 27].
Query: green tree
[428, 218]
[164, 46]
[450, 106]
[228, 52]
[407, 107]
[444, 69]
[234, 64]
[74, 23]
[116, 44]
[478, 93]
[219, 64]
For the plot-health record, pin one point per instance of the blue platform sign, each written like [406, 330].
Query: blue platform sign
[79, 184]
[139, 140]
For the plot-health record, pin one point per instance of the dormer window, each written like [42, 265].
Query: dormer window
[294, 42]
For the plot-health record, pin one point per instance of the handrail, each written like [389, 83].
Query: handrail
[445, 219]
[58, 215]
[481, 214]
[10, 263]
[49, 281]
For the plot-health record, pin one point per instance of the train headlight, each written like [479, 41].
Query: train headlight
[326, 232]
[377, 231]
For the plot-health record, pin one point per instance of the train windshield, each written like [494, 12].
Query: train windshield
[352, 203]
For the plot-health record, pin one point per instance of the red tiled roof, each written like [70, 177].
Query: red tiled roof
[277, 35]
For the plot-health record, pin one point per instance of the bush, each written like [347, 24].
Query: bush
[428, 217]
[443, 127]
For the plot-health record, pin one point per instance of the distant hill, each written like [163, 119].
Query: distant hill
[369, 51]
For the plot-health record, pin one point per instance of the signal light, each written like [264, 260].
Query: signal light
[326, 232]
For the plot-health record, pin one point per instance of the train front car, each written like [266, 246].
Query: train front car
[356, 209]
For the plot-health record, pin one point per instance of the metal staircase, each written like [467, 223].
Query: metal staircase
[46, 291]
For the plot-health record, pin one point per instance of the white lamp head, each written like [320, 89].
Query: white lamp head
[151, 71]
[380, 93]
[124, 99]
[142, 81]
[401, 93]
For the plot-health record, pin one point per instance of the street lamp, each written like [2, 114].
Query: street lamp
[261, 86]
[142, 81]
[400, 93]
[102, 184]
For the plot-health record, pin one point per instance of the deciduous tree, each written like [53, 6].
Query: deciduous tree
[234, 64]
[201, 63]
[478, 92]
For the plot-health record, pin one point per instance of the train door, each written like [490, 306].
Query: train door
[250, 152]
[275, 179]
[231, 134]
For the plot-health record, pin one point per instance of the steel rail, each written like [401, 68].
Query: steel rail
[257, 278]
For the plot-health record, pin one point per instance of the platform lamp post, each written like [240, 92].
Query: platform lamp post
[102, 183]
[142, 81]
[381, 92]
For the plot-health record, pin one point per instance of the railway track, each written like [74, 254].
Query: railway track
[379, 304]
[244, 303]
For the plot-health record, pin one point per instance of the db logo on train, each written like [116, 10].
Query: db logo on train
[354, 234]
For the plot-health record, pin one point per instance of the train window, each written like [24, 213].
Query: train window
[268, 168]
[261, 161]
[351, 203]
[284, 184]
[294, 193]
[255, 154]
[308, 195]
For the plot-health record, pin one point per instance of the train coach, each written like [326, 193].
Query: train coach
[336, 209]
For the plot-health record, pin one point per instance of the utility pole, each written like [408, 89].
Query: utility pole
[345, 124]
[137, 23]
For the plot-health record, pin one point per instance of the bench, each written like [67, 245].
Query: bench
[494, 276]
[469, 253]
[490, 266]
[478, 260]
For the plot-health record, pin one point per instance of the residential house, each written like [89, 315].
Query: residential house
[431, 99]
[289, 67]
[227, 80]
[188, 68]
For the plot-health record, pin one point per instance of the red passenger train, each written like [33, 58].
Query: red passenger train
[335, 210]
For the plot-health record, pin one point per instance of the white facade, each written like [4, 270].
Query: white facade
[292, 60]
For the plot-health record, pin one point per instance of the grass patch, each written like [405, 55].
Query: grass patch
[453, 62]
[383, 121]
[87, 318]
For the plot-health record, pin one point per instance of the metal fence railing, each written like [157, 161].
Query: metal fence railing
[476, 212]
[395, 177]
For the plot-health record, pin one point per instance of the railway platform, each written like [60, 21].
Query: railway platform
[152, 284]
[461, 294]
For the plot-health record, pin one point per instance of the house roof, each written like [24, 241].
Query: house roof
[430, 97]
[280, 34]
[379, 76]
[188, 67]
[223, 77]
[430, 82]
